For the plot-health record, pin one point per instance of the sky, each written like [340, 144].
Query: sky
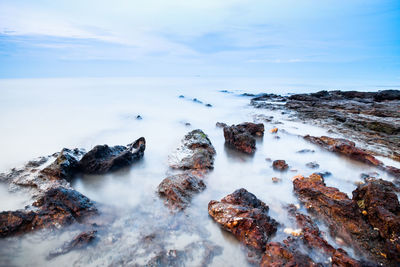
[352, 40]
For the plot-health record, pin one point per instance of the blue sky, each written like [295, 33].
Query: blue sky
[310, 39]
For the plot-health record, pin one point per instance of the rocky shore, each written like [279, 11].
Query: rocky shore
[362, 229]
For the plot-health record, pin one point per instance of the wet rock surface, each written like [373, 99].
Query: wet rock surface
[349, 149]
[242, 136]
[57, 207]
[372, 118]
[280, 165]
[102, 158]
[348, 218]
[179, 189]
[81, 241]
[65, 165]
[278, 254]
[246, 217]
[195, 152]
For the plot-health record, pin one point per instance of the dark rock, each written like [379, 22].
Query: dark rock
[324, 174]
[221, 125]
[209, 105]
[196, 152]
[226, 91]
[58, 206]
[277, 254]
[241, 136]
[280, 165]
[65, 166]
[312, 165]
[247, 94]
[138, 117]
[345, 219]
[306, 151]
[197, 101]
[179, 189]
[181, 96]
[102, 158]
[245, 216]
[387, 95]
[79, 242]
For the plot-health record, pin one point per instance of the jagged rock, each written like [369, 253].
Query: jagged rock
[345, 219]
[241, 136]
[280, 165]
[196, 152]
[65, 165]
[79, 242]
[102, 158]
[245, 216]
[312, 238]
[179, 189]
[58, 206]
[221, 124]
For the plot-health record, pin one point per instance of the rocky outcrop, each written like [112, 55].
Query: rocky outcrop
[102, 158]
[58, 206]
[241, 136]
[349, 149]
[195, 152]
[179, 189]
[193, 158]
[79, 242]
[349, 221]
[370, 118]
[246, 217]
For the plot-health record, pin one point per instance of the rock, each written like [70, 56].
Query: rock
[345, 147]
[79, 242]
[246, 217]
[241, 136]
[274, 130]
[138, 117]
[209, 105]
[179, 189]
[102, 158]
[277, 254]
[379, 202]
[312, 238]
[196, 152]
[280, 165]
[221, 125]
[58, 206]
[306, 151]
[65, 165]
[181, 96]
[387, 95]
[345, 219]
[276, 179]
[197, 101]
[312, 165]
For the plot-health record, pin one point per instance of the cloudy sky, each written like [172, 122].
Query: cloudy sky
[330, 39]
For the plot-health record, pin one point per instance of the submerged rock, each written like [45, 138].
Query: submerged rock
[58, 206]
[280, 165]
[179, 189]
[241, 136]
[102, 158]
[196, 152]
[245, 216]
[348, 219]
[79, 242]
[312, 165]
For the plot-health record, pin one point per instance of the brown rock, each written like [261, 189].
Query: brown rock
[280, 165]
[241, 136]
[179, 189]
[79, 242]
[245, 216]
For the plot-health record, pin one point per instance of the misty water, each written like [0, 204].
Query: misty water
[40, 117]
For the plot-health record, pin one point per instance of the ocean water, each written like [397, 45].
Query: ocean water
[41, 116]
